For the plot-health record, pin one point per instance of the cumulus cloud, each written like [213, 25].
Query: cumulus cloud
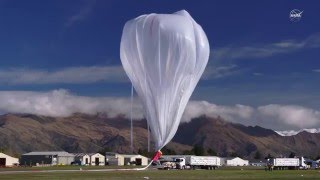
[71, 75]
[63, 103]
[278, 117]
[291, 115]
[232, 113]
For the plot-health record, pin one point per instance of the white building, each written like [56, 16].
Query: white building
[125, 159]
[234, 161]
[8, 161]
[82, 158]
[97, 159]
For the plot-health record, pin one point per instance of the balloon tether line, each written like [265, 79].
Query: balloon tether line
[148, 136]
[131, 136]
[131, 123]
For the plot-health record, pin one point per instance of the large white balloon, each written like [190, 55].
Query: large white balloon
[164, 56]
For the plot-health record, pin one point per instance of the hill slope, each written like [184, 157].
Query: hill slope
[227, 138]
[21, 133]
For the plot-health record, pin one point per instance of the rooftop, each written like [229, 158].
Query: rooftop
[58, 153]
[131, 155]
[83, 154]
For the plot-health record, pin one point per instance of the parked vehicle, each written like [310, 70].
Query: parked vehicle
[287, 163]
[202, 162]
[168, 165]
[192, 162]
[76, 162]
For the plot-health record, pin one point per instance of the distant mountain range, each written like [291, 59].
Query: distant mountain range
[20, 133]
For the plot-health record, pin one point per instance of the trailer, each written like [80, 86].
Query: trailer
[287, 163]
[201, 162]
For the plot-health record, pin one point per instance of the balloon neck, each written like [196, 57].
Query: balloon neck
[157, 155]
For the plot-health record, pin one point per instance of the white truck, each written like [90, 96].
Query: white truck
[287, 163]
[202, 162]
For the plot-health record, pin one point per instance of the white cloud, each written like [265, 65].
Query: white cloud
[223, 63]
[265, 50]
[213, 72]
[82, 14]
[92, 74]
[291, 115]
[293, 132]
[88, 74]
[72, 75]
[273, 116]
[257, 74]
[231, 113]
[63, 103]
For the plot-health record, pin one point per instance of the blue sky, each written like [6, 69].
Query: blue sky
[258, 56]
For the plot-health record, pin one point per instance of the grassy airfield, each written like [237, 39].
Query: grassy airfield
[73, 172]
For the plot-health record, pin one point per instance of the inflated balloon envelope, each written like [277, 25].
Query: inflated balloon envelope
[164, 56]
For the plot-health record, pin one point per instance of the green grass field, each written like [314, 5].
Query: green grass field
[226, 173]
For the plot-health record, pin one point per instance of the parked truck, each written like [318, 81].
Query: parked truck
[202, 162]
[287, 163]
[189, 162]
